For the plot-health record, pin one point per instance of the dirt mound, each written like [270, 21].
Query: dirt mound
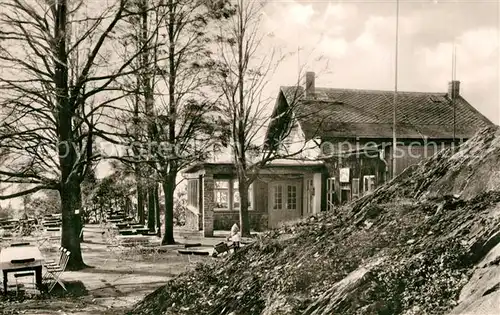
[403, 250]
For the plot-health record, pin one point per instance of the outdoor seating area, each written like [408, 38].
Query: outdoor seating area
[9, 227]
[126, 226]
[123, 266]
[52, 222]
[24, 266]
[124, 259]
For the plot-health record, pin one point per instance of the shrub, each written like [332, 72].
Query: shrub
[180, 208]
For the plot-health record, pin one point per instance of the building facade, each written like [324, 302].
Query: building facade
[344, 145]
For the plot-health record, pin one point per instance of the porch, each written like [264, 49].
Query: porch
[284, 190]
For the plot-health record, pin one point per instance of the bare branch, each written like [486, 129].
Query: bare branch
[25, 192]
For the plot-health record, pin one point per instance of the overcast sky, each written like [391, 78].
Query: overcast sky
[358, 39]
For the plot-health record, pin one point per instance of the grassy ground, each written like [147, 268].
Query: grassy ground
[117, 280]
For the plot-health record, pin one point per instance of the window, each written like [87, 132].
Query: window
[221, 189]
[284, 197]
[330, 193]
[368, 184]
[355, 187]
[192, 191]
[278, 197]
[225, 195]
[291, 197]
[236, 195]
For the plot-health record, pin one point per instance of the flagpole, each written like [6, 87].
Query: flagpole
[298, 62]
[453, 79]
[394, 141]
[454, 76]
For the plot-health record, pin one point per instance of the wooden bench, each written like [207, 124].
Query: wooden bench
[127, 232]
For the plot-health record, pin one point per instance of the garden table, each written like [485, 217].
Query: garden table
[18, 253]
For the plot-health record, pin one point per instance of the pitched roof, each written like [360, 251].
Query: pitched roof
[369, 114]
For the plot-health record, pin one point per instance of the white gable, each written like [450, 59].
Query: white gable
[295, 142]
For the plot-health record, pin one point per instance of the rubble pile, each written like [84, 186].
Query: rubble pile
[409, 248]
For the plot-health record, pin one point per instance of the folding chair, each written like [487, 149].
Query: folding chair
[45, 241]
[41, 242]
[55, 273]
[56, 262]
[23, 274]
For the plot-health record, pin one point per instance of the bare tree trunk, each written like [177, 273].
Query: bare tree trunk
[244, 217]
[151, 209]
[69, 189]
[169, 176]
[149, 107]
[139, 171]
[168, 190]
[70, 224]
[140, 201]
[158, 210]
[241, 131]
[79, 217]
[127, 207]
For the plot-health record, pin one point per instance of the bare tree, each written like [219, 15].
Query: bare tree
[186, 119]
[146, 74]
[245, 68]
[44, 107]
[177, 116]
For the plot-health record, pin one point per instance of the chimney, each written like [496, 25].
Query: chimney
[310, 77]
[453, 89]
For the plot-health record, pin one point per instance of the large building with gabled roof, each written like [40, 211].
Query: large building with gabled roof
[345, 141]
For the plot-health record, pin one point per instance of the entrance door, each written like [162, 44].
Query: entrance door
[284, 202]
[345, 196]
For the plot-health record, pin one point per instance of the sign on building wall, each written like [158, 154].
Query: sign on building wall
[344, 175]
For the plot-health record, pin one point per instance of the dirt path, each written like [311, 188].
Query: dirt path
[116, 281]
